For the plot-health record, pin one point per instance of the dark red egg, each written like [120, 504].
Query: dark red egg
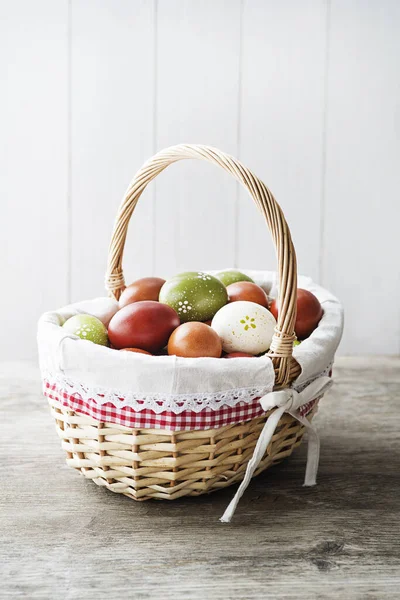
[309, 313]
[245, 290]
[239, 355]
[146, 325]
[147, 288]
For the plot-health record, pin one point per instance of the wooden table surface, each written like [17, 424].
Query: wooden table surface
[61, 536]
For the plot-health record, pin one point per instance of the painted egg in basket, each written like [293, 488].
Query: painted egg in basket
[195, 296]
[244, 327]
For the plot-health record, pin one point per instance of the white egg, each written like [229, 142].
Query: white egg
[244, 327]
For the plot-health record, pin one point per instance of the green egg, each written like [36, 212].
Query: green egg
[232, 276]
[87, 327]
[195, 296]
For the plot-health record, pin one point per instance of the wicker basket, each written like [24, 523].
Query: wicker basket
[153, 463]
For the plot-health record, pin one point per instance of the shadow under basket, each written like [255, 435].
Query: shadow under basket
[149, 463]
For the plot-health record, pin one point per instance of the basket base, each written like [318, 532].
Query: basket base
[154, 464]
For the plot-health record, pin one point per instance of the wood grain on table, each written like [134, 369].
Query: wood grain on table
[62, 536]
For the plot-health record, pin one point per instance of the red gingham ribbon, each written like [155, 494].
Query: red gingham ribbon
[148, 419]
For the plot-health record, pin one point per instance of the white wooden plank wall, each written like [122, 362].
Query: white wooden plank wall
[33, 168]
[306, 93]
[361, 241]
[198, 58]
[281, 123]
[112, 129]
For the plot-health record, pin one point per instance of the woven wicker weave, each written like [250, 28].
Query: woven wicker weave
[149, 463]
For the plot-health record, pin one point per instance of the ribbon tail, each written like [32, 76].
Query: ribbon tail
[259, 451]
[312, 451]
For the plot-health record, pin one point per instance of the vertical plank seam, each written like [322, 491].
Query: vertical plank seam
[324, 144]
[155, 124]
[238, 135]
[69, 152]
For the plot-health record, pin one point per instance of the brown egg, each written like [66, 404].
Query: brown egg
[138, 350]
[239, 355]
[245, 290]
[208, 322]
[309, 313]
[147, 288]
[146, 325]
[194, 340]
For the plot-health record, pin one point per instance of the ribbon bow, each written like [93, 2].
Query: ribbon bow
[287, 400]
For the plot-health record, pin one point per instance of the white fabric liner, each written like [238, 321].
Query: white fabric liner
[172, 383]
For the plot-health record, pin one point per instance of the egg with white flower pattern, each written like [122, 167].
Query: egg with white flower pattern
[244, 327]
[88, 328]
[194, 295]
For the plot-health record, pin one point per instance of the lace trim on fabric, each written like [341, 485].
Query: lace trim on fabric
[158, 403]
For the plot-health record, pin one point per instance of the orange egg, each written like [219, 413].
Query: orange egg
[135, 350]
[194, 340]
[245, 290]
[147, 288]
[309, 313]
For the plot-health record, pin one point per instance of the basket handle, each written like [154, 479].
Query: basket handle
[282, 343]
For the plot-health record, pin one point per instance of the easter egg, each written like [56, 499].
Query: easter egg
[239, 355]
[309, 313]
[244, 327]
[232, 276]
[194, 340]
[147, 288]
[146, 325]
[138, 350]
[245, 290]
[88, 328]
[195, 296]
